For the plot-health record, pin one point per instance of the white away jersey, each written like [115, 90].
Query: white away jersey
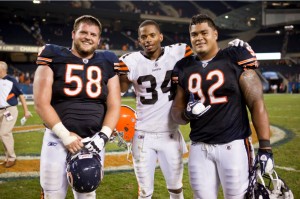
[152, 83]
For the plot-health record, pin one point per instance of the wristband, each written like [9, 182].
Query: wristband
[60, 130]
[106, 130]
[264, 143]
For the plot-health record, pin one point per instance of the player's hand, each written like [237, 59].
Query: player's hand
[27, 114]
[96, 143]
[238, 42]
[195, 108]
[76, 145]
[265, 160]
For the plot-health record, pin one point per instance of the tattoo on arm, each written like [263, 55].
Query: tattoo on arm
[251, 86]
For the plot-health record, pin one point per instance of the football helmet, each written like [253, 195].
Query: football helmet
[84, 171]
[267, 186]
[124, 131]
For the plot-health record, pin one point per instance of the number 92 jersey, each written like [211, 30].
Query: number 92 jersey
[79, 89]
[152, 84]
[216, 83]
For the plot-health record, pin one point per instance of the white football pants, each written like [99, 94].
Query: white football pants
[53, 177]
[165, 147]
[211, 165]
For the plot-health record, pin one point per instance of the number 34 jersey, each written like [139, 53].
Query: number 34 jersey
[152, 84]
[79, 89]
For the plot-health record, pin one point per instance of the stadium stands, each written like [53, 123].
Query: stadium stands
[121, 19]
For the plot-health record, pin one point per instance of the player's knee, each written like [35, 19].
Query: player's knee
[145, 193]
[51, 178]
[176, 191]
[145, 197]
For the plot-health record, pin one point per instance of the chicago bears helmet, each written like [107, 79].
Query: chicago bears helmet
[84, 171]
[268, 186]
[124, 131]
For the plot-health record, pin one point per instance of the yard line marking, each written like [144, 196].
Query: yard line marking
[287, 168]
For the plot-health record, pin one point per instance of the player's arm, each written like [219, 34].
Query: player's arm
[178, 107]
[124, 83]
[42, 89]
[253, 94]
[113, 103]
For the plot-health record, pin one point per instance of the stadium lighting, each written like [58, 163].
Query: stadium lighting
[268, 56]
[36, 1]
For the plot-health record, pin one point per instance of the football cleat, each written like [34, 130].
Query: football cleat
[84, 171]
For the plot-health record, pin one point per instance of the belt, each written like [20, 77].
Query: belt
[4, 107]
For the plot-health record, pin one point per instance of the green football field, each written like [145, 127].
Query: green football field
[284, 113]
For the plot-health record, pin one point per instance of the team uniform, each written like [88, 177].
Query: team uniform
[79, 95]
[156, 136]
[9, 94]
[220, 136]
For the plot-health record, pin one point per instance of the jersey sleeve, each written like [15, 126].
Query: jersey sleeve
[243, 57]
[181, 50]
[45, 55]
[112, 60]
[122, 66]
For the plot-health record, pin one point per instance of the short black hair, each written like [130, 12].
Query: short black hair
[149, 22]
[203, 18]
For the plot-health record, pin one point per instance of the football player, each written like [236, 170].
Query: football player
[157, 136]
[77, 95]
[225, 81]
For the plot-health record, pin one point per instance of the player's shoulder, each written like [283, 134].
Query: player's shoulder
[179, 49]
[239, 51]
[52, 50]
[185, 62]
[107, 56]
[242, 56]
[176, 46]
[132, 56]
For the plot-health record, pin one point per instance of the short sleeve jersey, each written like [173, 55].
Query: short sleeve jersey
[216, 83]
[10, 91]
[79, 89]
[152, 84]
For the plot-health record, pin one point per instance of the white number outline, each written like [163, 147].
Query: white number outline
[197, 86]
[69, 78]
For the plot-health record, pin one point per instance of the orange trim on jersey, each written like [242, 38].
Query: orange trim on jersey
[247, 61]
[188, 51]
[41, 63]
[44, 59]
[255, 64]
[10, 96]
[121, 67]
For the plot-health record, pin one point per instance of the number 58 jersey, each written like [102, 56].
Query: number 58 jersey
[79, 89]
[151, 80]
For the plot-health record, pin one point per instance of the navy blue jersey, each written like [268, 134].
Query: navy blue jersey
[79, 89]
[12, 98]
[216, 83]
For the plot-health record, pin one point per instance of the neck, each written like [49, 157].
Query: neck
[153, 55]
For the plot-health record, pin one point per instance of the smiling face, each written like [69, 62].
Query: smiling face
[150, 39]
[86, 39]
[204, 40]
